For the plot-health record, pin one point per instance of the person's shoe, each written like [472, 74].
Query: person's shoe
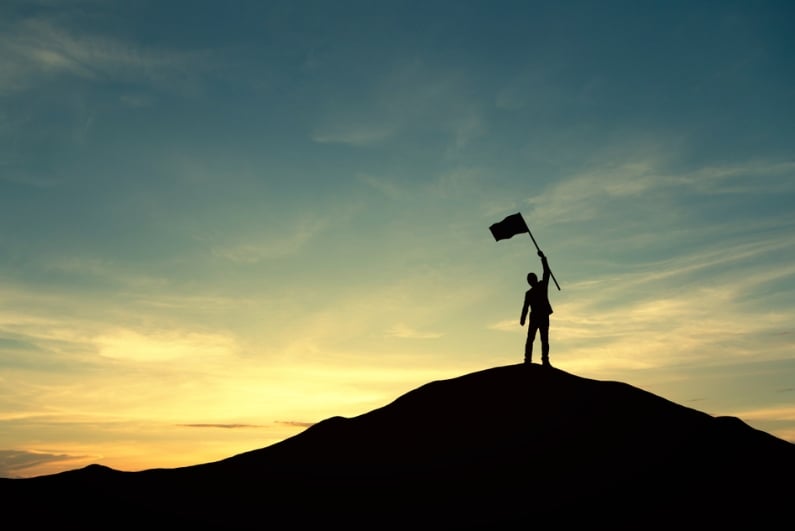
[545, 363]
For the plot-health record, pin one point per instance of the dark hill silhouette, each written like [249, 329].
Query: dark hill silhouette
[504, 448]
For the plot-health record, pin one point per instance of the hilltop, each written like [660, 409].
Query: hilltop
[506, 447]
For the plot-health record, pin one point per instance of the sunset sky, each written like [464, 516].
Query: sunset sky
[221, 222]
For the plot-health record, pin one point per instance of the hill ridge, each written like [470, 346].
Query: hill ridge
[493, 449]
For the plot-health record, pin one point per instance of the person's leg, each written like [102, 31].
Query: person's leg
[532, 328]
[544, 336]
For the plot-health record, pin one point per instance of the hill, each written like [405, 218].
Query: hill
[503, 448]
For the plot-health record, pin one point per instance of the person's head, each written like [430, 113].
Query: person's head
[532, 279]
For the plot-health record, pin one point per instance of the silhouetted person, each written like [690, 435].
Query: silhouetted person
[536, 300]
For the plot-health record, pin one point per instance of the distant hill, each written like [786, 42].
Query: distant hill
[504, 448]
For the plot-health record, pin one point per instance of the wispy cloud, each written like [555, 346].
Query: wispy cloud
[589, 194]
[437, 189]
[38, 48]
[101, 270]
[776, 413]
[583, 196]
[390, 188]
[135, 100]
[404, 331]
[740, 178]
[296, 423]
[37, 337]
[358, 134]
[273, 244]
[167, 345]
[220, 425]
[403, 98]
[25, 463]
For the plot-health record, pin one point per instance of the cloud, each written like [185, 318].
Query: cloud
[38, 337]
[715, 265]
[507, 325]
[25, 463]
[167, 345]
[35, 49]
[701, 327]
[406, 99]
[404, 331]
[594, 193]
[788, 434]
[388, 187]
[737, 178]
[359, 134]
[220, 425]
[136, 101]
[105, 271]
[769, 414]
[26, 177]
[16, 343]
[286, 242]
[534, 88]
[459, 182]
[296, 423]
[583, 196]
[453, 183]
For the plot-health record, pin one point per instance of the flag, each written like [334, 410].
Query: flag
[509, 227]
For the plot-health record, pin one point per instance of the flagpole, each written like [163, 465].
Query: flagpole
[539, 250]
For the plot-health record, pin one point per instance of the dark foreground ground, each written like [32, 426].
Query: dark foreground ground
[505, 448]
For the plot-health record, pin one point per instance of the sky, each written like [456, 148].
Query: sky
[221, 222]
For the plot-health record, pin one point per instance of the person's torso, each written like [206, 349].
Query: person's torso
[537, 299]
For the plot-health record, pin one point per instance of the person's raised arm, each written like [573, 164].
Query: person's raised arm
[547, 273]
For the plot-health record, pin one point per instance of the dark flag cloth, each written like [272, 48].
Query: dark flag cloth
[509, 227]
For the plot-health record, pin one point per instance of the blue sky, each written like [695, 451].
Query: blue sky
[221, 222]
